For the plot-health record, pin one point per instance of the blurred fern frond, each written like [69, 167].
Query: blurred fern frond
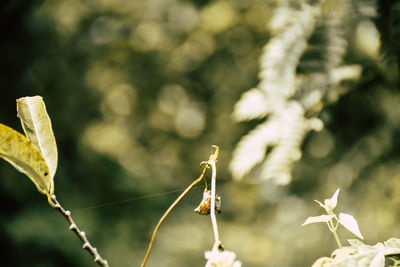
[301, 68]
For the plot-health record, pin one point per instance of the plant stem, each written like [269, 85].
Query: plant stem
[212, 212]
[81, 235]
[198, 180]
[212, 162]
[337, 238]
[333, 228]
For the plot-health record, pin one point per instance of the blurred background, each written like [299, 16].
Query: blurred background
[138, 91]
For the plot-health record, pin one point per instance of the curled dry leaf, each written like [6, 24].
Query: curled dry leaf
[26, 158]
[37, 127]
[205, 205]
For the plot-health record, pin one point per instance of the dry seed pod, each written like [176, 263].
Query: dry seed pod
[205, 204]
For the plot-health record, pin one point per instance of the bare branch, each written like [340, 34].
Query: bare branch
[81, 234]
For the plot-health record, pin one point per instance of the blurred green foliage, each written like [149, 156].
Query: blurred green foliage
[137, 91]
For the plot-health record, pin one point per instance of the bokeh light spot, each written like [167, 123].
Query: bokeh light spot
[190, 122]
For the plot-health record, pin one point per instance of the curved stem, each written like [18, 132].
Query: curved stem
[169, 210]
[81, 235]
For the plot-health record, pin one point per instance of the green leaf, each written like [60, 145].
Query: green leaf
[392, 242]
[343, 253]
[322, 205]
[359, 255]
[322, 262]
[378, 260]
[359, 260]
[250, 150]
[253, 104]
[317, 219]
[355, 243]
[37, 127]
[26, 158]
[350, 223]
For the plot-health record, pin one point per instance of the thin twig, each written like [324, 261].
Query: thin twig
[212, 212]
[81, 235]
[198, 180]
[212, 162]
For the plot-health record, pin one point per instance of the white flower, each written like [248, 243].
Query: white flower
[225, 258]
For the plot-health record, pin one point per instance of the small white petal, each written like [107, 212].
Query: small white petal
[317, 219]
